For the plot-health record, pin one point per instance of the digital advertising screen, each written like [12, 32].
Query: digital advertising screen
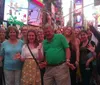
[34, 14]
[38, 2]
[78, 20]
[78, 8]
[78, 13]
[78, 2]
[1, 9]
[16, 9]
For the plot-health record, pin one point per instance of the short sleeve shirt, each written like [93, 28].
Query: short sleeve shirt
[8, 52]
[55, 51]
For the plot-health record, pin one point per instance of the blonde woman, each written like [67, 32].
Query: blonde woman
[74, 47]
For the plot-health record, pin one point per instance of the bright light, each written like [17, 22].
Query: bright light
[65, 9]
[88, 10]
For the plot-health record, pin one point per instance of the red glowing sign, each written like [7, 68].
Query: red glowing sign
[38, 2]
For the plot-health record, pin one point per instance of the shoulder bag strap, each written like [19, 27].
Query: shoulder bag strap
[33, 56]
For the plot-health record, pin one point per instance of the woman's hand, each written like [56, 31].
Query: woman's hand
[17, 56]
[91, 48]
[77, 63]
[40, 46]
[90, 23]
[43, 64]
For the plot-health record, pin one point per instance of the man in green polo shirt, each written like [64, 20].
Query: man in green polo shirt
[57, 55]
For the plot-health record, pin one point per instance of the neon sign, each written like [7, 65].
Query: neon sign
[39, 2]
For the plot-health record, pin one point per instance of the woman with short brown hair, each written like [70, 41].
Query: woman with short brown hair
[9, 49]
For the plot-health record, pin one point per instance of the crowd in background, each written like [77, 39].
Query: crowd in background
[66, 56]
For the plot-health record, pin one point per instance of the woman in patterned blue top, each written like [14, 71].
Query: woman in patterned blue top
[9, 49]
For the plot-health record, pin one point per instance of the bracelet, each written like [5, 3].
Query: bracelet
[67, 60]
[77, 61]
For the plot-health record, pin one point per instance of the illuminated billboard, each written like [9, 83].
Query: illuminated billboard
[78, 2]
[1, 9]
[17, 9]
[34, 14]
[26, 11]
[78, 13]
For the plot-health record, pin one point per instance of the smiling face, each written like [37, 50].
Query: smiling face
[12, 34]
[76, 31]
[84, 36]
[31, 37]
[48, 33]
[68, 31]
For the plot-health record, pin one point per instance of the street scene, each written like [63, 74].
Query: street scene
[49, 42]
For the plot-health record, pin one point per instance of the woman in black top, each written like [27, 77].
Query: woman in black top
[86, 58]
[74, 47]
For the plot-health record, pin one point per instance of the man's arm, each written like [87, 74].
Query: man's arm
[95, 32]
[68, 55]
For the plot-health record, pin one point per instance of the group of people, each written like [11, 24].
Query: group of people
[47, 56]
